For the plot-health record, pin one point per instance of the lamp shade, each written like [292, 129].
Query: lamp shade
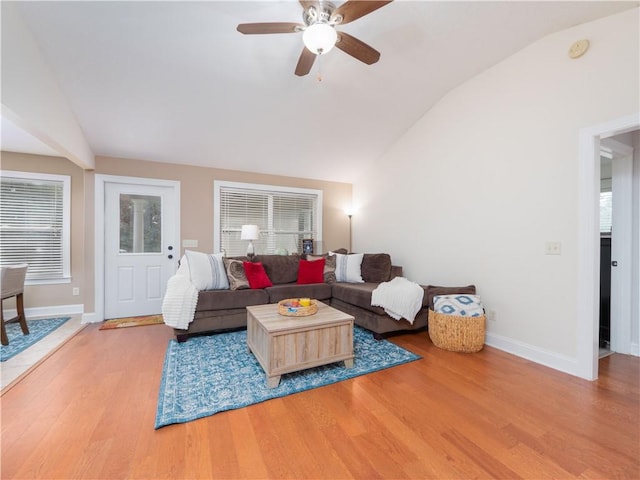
[319, 38]
[249, 232]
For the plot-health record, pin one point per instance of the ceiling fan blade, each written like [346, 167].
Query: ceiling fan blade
[305, 62]
[260, 28]
[308, 3]
[357, 48]
[353, 9]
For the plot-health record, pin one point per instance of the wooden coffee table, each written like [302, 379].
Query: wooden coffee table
[289, 344]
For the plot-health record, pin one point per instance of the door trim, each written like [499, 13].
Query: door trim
[100, 181]
[589, 239]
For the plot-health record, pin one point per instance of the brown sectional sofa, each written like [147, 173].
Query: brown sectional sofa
[220, 310]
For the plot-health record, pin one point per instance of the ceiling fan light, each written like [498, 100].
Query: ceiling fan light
[319, 38]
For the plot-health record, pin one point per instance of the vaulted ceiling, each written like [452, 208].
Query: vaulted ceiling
[175, 82]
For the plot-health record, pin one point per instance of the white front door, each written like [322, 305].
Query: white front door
[141, 249]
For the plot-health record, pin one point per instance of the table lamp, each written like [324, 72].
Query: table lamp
[251, 233]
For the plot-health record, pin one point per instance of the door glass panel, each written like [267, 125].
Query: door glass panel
[140, 223]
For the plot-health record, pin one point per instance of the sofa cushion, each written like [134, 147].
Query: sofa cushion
[358, 294]
[311, 272]
[280, 268]
[235, 274]
[229, 299]
[318, 291]
[329, 272]
[376, 267]
[256, 275]
[432, 291]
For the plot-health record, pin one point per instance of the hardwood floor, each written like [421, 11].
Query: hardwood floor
[88, 412]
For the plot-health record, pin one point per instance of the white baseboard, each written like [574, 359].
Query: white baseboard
[535, 354]
[635, 349]
[91, 318]
[51, 311]
[55, 311]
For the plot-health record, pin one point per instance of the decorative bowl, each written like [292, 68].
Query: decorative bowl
[290, 307]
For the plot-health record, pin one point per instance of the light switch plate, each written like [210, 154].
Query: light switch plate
[553, 248]
[190, 243]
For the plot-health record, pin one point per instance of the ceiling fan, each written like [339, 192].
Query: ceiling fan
[319, 32]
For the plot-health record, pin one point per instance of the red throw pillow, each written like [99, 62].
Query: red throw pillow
[311, 271]
[256, 275]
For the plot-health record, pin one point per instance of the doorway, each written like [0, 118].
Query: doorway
[137, 244]
[589, 250]
[616, 220]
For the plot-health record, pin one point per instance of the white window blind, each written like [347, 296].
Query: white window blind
[284, 216]
[606, 204]
[34, 223]
[606, 210]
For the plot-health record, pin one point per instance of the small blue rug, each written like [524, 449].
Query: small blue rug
[208, 375]
[38, 329]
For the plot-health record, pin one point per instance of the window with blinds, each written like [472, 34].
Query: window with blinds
[606, 201]
[285, 216]
[35, 224]
[606, 210]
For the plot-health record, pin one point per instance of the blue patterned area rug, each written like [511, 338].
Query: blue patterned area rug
[38, 329]
[208, 375]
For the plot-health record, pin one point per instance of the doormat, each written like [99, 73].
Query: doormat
[131, 322]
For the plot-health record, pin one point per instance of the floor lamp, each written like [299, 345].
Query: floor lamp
[349, 214]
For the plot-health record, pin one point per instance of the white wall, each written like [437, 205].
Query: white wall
[31, 96]
[490, 174]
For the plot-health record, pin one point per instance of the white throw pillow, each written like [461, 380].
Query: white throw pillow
[207, 271]
[348, 267]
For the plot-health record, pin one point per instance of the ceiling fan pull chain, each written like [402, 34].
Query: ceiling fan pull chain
[319, 76]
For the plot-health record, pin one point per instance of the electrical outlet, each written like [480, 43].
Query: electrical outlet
[491, 315]
[76, 291]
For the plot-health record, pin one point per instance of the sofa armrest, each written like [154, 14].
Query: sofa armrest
[396, 271]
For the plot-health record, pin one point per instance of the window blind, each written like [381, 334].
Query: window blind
[34, 223]
[284, 218]
[606, 210]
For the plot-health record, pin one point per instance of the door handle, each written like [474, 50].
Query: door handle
[170, 256]
[170, 247]
[614, 263]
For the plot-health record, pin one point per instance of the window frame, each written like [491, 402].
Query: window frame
[66, 221]
[218, 185]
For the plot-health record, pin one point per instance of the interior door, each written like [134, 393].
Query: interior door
[140, 248]
[621, 254]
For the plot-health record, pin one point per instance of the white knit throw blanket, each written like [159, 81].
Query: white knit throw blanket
[180, 299]
[400, 298]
